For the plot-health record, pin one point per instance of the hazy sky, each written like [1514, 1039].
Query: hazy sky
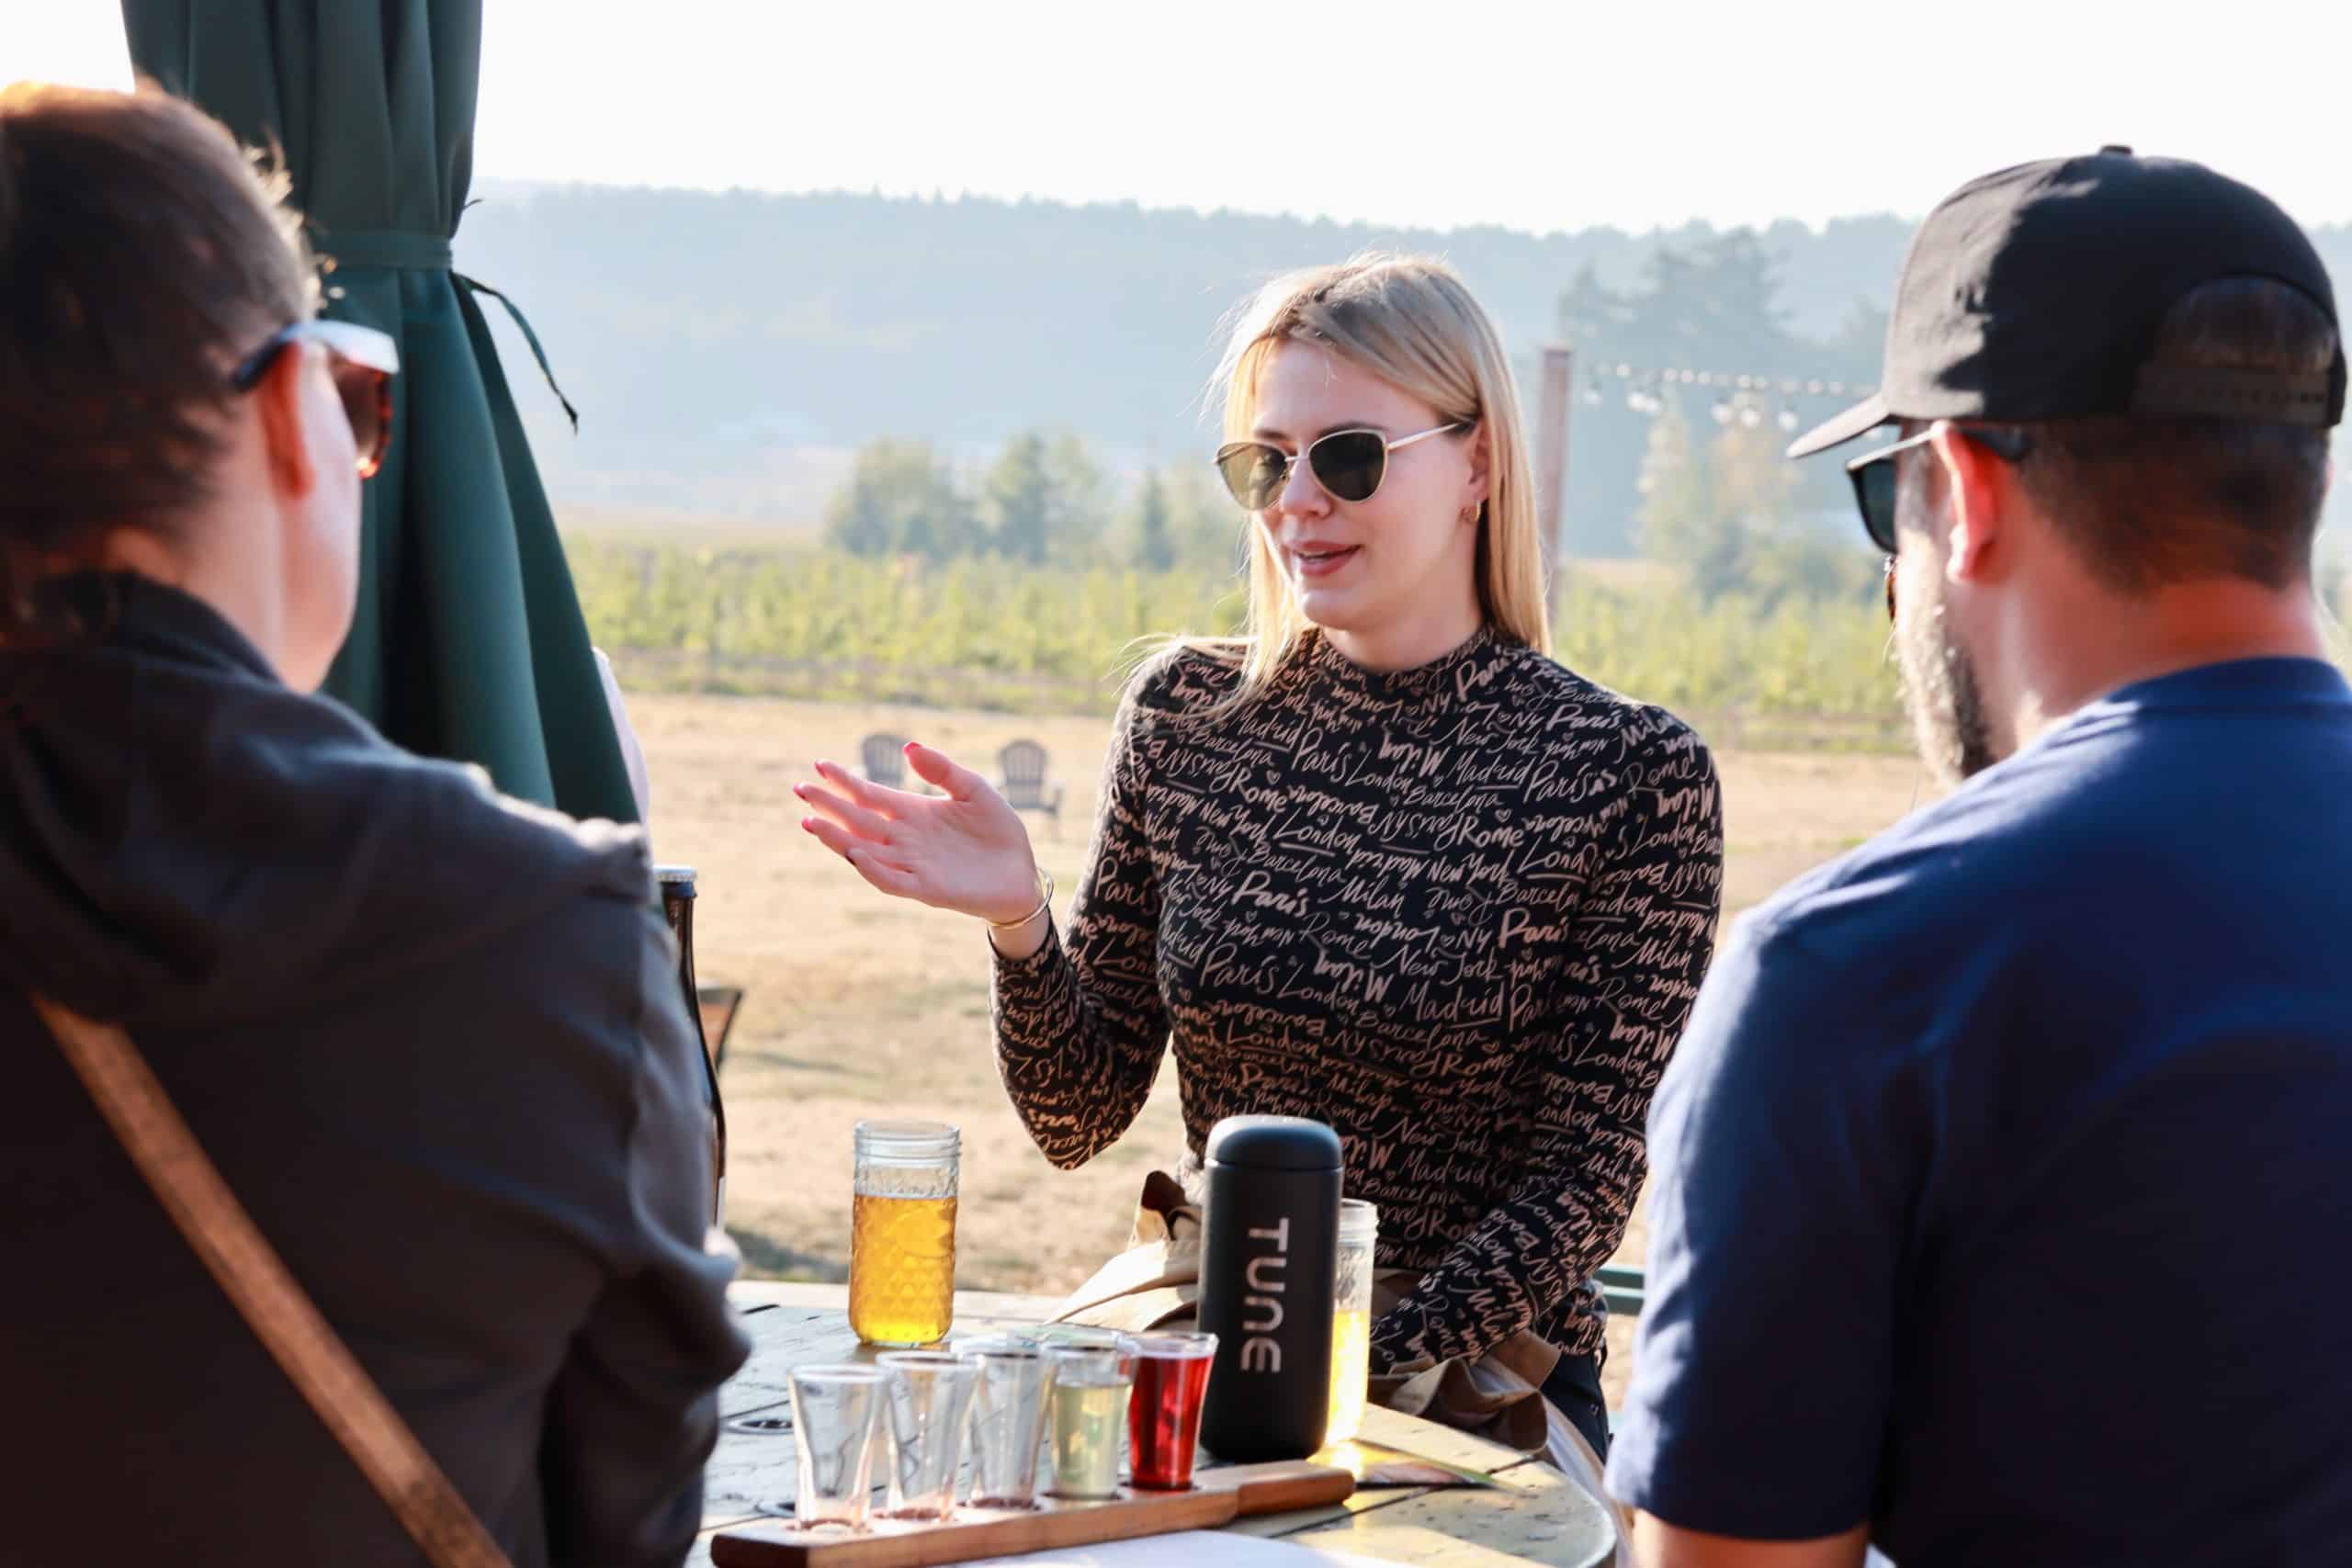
[1442, 113]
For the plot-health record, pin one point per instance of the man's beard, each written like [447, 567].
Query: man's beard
[1944, 696]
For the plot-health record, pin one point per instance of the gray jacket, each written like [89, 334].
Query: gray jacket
[433, 1041]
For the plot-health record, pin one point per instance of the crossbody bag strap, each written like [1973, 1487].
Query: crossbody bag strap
[272, 1303]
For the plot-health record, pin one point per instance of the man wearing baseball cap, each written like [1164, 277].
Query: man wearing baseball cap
[2003, 1201]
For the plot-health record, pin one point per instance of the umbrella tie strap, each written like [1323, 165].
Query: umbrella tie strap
[384, 248]
[391, 250]
[529, 336]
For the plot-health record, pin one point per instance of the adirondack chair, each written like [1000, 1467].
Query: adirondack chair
[1623, 1289]
[1025, 785]
[886, 759]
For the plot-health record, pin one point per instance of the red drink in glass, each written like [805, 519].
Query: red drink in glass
[1164, 1415]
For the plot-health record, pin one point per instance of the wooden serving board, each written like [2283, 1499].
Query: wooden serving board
[1218, 1497]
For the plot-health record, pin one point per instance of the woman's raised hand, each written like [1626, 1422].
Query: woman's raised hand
[965, 850]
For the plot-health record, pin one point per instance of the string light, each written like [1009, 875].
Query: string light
[1745, 399]
[1785, 386]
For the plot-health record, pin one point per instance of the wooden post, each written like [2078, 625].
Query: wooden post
[1552, 457]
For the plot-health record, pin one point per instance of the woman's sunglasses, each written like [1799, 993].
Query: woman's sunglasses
[363, 362]
[1349, 463]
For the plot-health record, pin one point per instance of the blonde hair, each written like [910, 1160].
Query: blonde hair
[1411, 321]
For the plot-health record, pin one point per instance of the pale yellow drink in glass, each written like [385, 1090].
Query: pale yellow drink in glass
[901, 1268]
[1090, 1417]
[1351, 1372]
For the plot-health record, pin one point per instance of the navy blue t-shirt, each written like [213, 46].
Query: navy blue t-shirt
[2003, 1192]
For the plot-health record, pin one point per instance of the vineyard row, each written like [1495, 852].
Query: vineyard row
[992, 634]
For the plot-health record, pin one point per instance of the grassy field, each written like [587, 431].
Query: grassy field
[744, 616]
[859, 1005]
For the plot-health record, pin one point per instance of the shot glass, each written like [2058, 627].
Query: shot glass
[1011, 1399]
[835, 1410]
[929, 1397]
[1164, 1418]
[1093, 1383]
[1058, 1335]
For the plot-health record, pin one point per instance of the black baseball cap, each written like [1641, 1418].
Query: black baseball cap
[2036, 292]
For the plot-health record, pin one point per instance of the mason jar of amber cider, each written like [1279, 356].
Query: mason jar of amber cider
[902, 1232]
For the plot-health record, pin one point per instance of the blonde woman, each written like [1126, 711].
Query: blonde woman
[1380, 861]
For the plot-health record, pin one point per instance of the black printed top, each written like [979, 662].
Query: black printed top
[1459, 913]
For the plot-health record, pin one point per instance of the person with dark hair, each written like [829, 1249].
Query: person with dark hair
[432, 1039]
[1974, 1130]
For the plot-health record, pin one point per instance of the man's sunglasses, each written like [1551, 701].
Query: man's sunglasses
[1349, 463]
[1873, 475]
[363, 362]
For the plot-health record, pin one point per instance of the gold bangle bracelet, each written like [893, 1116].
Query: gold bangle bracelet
[1044, 900]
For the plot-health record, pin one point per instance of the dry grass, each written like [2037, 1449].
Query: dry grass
[858, 1005]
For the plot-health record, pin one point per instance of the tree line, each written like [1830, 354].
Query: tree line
[1044, 499]
[1709, 494]
[702, 334]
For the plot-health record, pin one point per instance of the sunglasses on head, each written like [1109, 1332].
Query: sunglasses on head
[1349, 463]
[1873, 475]
[362, 361]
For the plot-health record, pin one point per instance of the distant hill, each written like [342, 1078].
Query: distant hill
[727, 350]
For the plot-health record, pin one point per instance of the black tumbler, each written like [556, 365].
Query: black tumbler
[1269, 1246]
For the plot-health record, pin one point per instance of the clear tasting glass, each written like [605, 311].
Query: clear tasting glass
[929, 1395]
[1351, 1319]
[1092, 1386]
[835, 1413]
[1010, 1405]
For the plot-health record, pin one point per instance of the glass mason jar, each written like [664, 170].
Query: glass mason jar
[1351, 1319]
[902, 1232]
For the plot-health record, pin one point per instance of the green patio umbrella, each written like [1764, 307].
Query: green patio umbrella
[468, 642]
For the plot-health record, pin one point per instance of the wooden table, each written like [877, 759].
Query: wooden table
[1534, 1516]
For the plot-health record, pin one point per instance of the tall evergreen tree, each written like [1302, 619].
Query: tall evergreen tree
[1155, 544]
[1677, 516]
[1078, 501]
[900, 498]
[1020, 502]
